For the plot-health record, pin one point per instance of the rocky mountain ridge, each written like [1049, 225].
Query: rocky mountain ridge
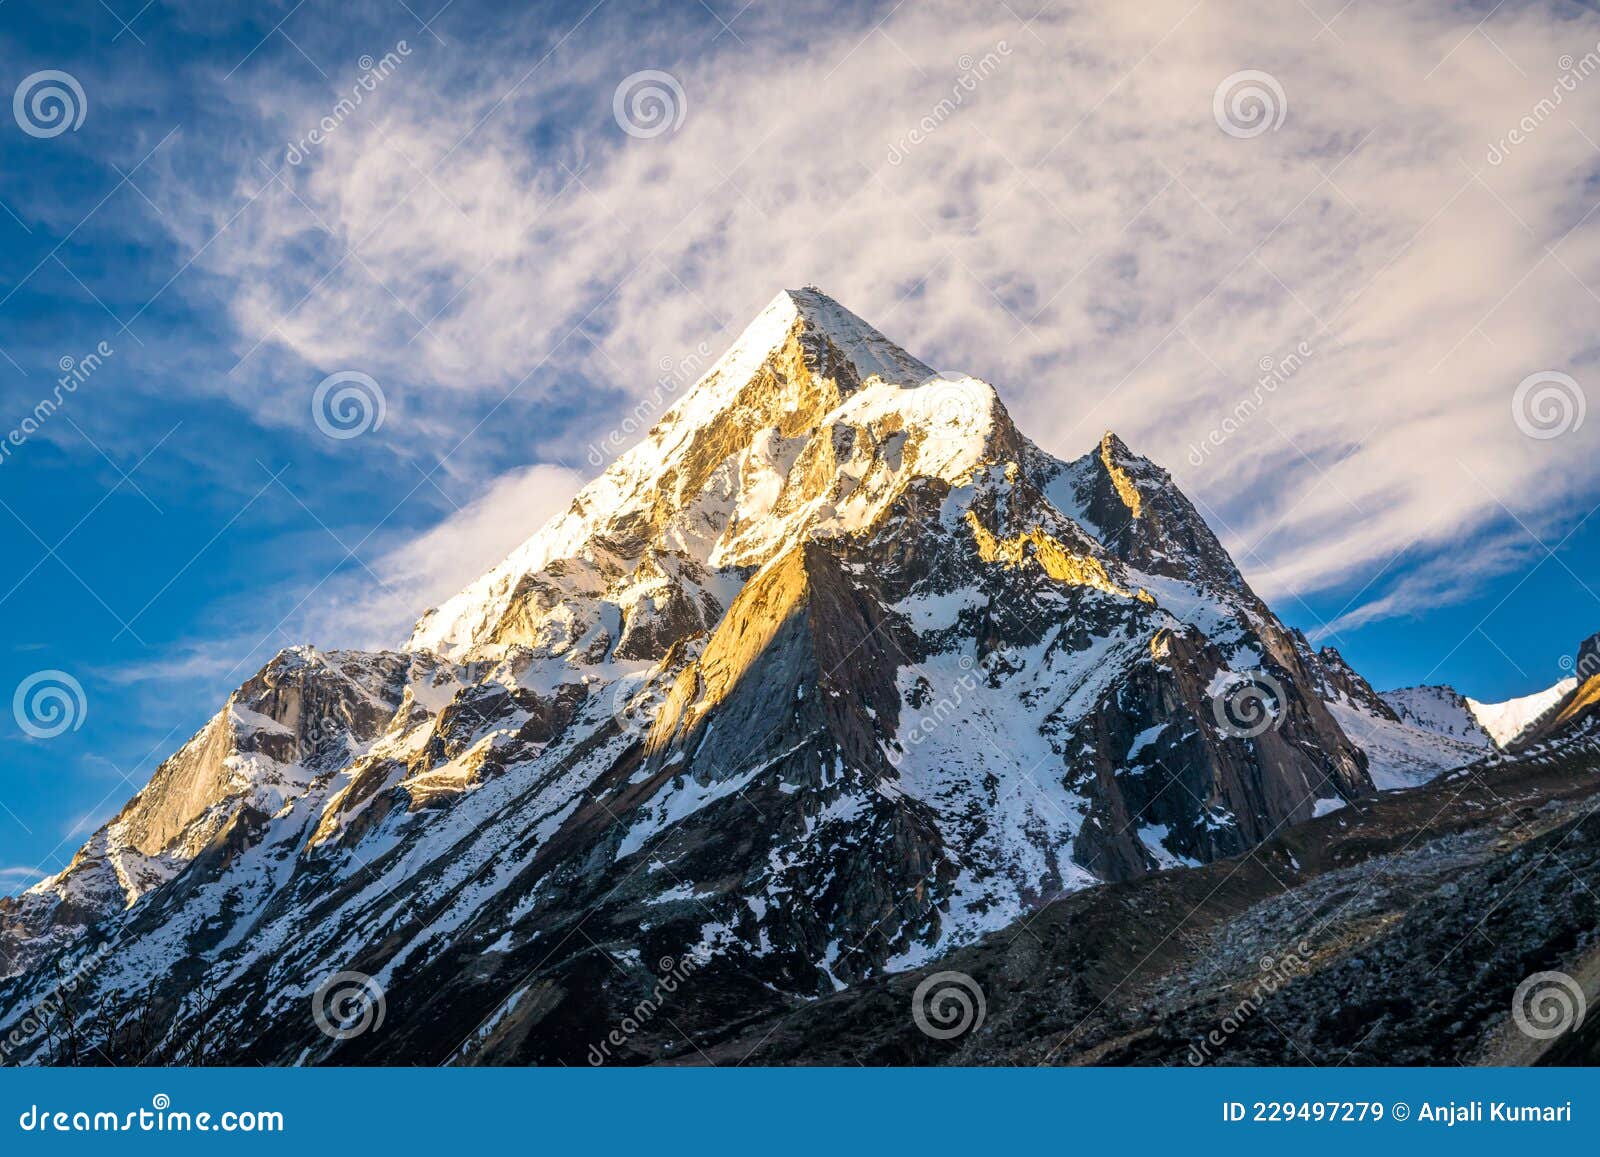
[833, 673]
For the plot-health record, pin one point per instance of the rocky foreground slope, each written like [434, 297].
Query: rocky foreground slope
[1457, 923]
[833, 675]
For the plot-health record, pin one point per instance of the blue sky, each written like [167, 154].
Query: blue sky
[1045, 198]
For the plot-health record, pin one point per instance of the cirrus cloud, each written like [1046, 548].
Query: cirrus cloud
[1073, 225]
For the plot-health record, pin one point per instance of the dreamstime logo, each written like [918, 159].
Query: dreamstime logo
[1584, 668]
[348, 404]
[674, 973]
[649, 103]
[373, 73]
[674, 376]
[947, 1005]
[160, 1117]
[974, 70]
[49, 703]
[320, 738]
[1548, 1004]
[950, 399]
[40, 1017]
[1249, 103]
[1276, 973]
[74, 373]
[916, 732]
[1274, 373]
[635, 701]
[1548, 404]
[348, 1004]
[1248, 704]
[49, 103]
[1573, 72]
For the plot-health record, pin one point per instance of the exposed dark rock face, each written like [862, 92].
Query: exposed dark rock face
[1587, 665]
[1251, 787]
[302, 716]
[1338, 678]
[1397, 931]
[1143, 519]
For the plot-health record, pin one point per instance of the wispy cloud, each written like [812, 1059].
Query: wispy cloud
[377, 607]
[1077, 228]
[365, 606]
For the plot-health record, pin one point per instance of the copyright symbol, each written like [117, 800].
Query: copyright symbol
[1401, 1111]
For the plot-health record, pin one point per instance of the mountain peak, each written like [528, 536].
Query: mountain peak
[1112, 446]
[1122, 465]
[833, 645]
[1588, 661]
[867, 349]
[812, 422]
[708, 471]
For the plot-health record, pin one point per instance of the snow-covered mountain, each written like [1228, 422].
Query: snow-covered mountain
[1506, 722]
[1443, 711]
[1409, 736]
[1413, 734]
[833, 672]
[1572, 714]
